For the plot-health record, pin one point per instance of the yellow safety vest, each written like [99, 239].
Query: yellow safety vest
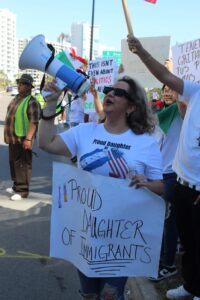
[21, 122]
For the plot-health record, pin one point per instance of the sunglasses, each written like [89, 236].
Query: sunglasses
[117, 92]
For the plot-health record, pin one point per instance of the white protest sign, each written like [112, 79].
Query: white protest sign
[103, 226]
[104, 70]
[186, 60]
[89, 103]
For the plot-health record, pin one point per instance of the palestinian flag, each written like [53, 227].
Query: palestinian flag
[151, 1]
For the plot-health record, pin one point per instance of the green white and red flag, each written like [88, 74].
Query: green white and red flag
[151, 1]
[70, 58]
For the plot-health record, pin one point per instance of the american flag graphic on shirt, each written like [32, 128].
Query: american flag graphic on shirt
[113, 157]
[117, 163]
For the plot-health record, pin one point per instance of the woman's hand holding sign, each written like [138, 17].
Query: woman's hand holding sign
[140, 180]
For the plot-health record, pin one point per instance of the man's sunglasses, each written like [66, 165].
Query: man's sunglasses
[117, 92]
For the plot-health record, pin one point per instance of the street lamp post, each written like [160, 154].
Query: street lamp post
[92, 29]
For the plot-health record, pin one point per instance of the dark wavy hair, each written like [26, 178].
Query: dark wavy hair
[141, 120]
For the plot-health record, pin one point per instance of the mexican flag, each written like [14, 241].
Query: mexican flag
[166, 116]
[151, 1]
[70, 58]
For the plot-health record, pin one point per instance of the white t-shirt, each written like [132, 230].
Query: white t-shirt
[187, 159]
[114, 155]
[93, 116]
[76, 114]
[170, 143]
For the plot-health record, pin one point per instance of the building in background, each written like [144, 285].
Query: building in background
[11, 49]
[81, 37]
[63, 37]
[8, 43]
[158, 46]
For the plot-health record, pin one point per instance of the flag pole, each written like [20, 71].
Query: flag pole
[127, 17]
[92, 30]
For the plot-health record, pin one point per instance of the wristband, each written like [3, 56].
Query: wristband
[28, 140]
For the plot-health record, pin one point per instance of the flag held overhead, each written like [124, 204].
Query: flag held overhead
[127, 17]
[151, 1]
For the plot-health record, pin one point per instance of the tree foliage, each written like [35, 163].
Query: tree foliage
[4, 81]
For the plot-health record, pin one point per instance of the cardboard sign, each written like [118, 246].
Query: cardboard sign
[104, 70]
[103, 226]
[89, 103]
[186, 60]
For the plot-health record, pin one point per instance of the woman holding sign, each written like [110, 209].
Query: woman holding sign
[121, 147]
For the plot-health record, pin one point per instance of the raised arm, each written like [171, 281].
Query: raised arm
[156, 68]
[48, 139]
[182, 107]
[97, 102]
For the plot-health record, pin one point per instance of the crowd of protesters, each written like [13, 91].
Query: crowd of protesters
[166, 157]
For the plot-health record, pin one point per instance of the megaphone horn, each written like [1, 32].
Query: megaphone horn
[36, 55]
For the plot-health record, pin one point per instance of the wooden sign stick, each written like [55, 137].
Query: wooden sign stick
[127, 17]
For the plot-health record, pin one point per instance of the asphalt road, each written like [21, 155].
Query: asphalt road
[42, 165]
[27, 271]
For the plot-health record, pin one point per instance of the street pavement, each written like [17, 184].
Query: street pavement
[27, 271]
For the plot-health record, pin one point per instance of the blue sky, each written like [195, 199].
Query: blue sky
[176, 18]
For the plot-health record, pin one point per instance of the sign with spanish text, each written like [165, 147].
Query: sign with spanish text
[103, 226]
[186, 60]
